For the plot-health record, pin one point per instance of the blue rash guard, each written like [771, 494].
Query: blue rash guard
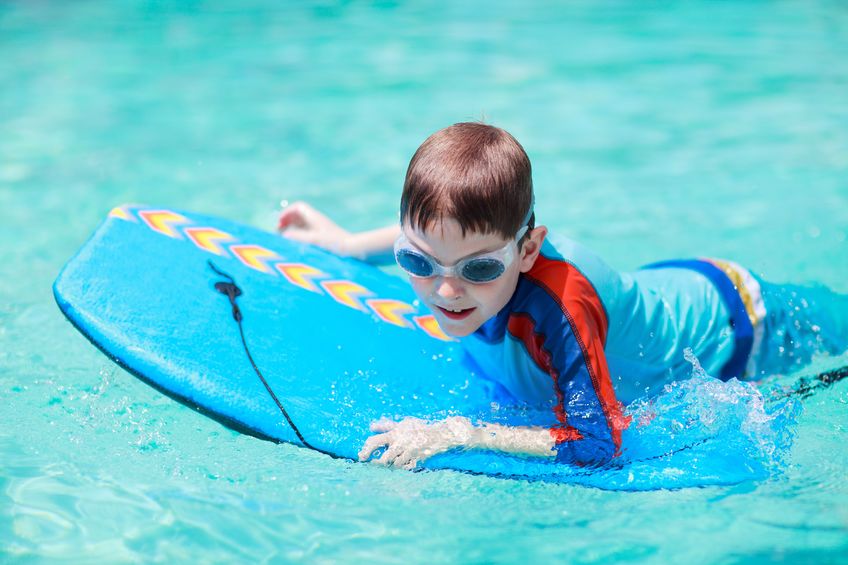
[578, 338]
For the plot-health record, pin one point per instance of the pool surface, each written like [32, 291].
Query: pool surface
[656, 130]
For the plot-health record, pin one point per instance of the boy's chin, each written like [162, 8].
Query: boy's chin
[461, 329]
[459, 332]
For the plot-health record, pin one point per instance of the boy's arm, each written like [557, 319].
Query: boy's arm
[412, 440]
[302, 222]
[563, 329]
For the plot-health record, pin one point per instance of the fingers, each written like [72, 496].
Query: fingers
[402, 456]
[396, 455]
[301, 222]
[375, 442]
[372, 444]
[402, 440]
[291, 216]
[303, 215]
[406, 461]
[384, 438]
[392, 453]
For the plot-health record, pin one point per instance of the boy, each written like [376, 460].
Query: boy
[555, 326]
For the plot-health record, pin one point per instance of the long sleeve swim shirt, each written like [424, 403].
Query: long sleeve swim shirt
[579, 338]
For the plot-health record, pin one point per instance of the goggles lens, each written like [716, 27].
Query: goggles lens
[416, 264]
[484, 269]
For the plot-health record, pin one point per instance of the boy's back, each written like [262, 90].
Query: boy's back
[652, 316]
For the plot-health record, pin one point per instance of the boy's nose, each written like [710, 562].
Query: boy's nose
[449, 288]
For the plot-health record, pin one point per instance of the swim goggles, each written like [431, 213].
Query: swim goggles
[477, 269]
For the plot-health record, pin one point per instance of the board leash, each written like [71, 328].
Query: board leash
[805, 387]
[232, 291]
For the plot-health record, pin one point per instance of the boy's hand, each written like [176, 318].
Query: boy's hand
[301, 222]
[412, 440]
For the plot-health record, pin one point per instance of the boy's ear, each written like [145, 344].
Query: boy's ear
[531, 248]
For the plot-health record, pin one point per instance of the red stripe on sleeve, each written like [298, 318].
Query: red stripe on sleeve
[523, 327]
[584, 311]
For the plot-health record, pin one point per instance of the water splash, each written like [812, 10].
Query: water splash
[697, 432]
[707, 431]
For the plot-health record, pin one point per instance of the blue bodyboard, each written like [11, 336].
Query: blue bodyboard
[341, 344]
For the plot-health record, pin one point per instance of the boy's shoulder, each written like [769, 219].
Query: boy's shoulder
[563, 262]
[575, 275]
[554, 298]
[564, 287]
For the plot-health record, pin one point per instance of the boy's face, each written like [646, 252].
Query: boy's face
[462, 307]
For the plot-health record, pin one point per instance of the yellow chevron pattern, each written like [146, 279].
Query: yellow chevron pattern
[346, 292]
[301, 275]
[207, 238]
[431, 327]
[121, 213]
[254, 256]
[391, 311]
[162, 221]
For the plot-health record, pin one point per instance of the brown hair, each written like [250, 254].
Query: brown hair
[474, 173]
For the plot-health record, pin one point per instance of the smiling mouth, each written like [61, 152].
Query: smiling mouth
[455, 314]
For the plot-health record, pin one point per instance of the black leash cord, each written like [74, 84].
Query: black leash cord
[232, 291]
[808, 386]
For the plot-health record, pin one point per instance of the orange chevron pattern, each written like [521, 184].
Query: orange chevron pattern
[257, 257]
[254, 256]
[431, 327]
[207, 238]
[162, 221]
[345, 292]
[391, 311]
[121, 213]
[302, 275]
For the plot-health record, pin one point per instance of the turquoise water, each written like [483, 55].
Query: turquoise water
[655, 130]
